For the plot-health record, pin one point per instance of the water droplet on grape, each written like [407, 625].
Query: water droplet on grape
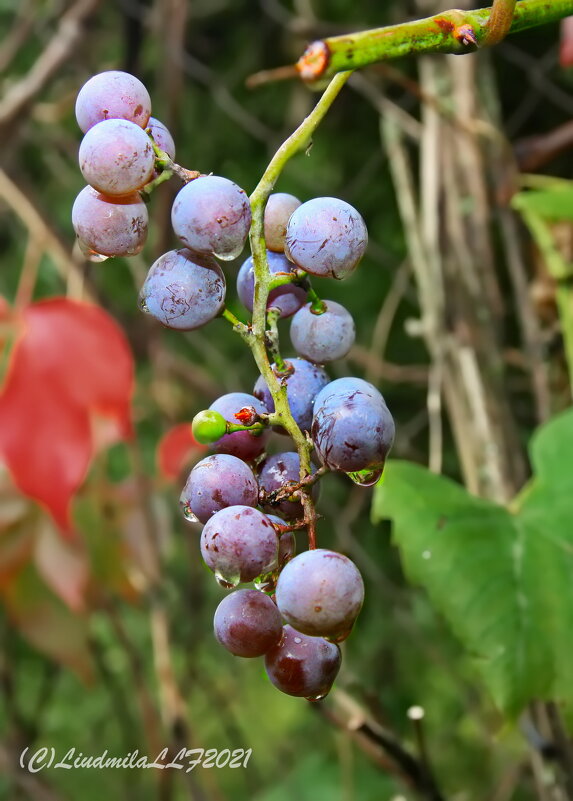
[89, 253]
[266, 583]
[225, 583]
[187, 513]
[366, 478]
[314, 698]
[297, 640]
[143, 306]
[229, 256]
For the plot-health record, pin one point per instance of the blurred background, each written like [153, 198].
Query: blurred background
[106, 639]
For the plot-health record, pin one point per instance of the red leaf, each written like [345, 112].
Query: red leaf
[176, 450]
[70, 364]
[566, 42]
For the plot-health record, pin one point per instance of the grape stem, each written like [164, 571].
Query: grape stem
[317, 306]
[273, 346]
[297, 142]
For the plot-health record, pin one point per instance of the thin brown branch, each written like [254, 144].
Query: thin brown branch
[499, 22]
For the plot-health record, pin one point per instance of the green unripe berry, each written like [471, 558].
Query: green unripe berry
[208, 426]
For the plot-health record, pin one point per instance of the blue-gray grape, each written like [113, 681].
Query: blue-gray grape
[320, 593]
[352, 428]
[238, 544]
[302, 666]
[218, 481]
[183, 291]
[303, 385]
[161, 136]
[326, 236]
[247, 623]
[277, 471]
[245, 445]
[287, 298]
[212, 215]
[322, 337]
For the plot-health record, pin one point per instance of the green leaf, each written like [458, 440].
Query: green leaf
[502, 580]
[551, 204]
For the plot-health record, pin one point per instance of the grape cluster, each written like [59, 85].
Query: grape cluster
[250, 500]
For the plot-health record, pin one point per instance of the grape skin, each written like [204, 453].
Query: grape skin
[302, 666]
[320, 593]
[326, 236]
[116, 157]
[242, 444]
[278, 210]
[322, 337]
[247, 623]
[112, 95]
[352, 428]
[239, 543]
[161, 136]
[287, 298]
[277, 471]
[303, 385]
[183, 291]
[287, 541]
[110, 226]
[212, 215]
[216, 482]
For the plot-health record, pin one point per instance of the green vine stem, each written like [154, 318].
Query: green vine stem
[452, 31]
[297, 142]
[273, 346]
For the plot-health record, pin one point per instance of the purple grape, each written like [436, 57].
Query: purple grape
[183, 291]
[322, 337]
[277, 471]
[112, 95]
[288, 298]
[320, 593]
[326, 236]
[243, 444]
[110, 226]
[116, 157]
[287, 541]
[212, 215]
[303, 385]
[238, 544]
[216, 482]
[247, 623]
[161, 136]
[352, 429]
[279, 208]
[303, 666]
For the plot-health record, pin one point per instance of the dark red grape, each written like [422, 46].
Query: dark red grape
[320, 593]
[247, 623]
[303, 666]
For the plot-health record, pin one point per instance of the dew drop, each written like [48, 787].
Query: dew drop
[143, 306]
[366, 478]
[229, 256]
[187, 513]
[225, 583]
[318, 697]
[89, 253]
[297, 640]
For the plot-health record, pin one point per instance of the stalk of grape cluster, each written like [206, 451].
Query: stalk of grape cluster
[298, 141]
